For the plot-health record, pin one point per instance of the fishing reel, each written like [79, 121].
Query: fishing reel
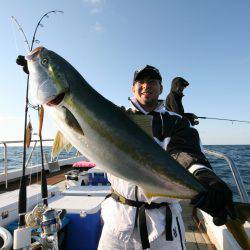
[50, 224]
[33, 219]
[47, 223]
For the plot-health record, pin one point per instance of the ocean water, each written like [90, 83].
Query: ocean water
[241, 157]
[15, 156]
[239, 153]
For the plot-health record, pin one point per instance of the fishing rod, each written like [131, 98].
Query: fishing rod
[39, 24]
[22, 190]
[22, 235]
[44, 186]
[221, 119]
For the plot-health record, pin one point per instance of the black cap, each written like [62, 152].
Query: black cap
[147, 71]
[180, 80]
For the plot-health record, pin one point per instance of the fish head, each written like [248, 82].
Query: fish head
[48, 84]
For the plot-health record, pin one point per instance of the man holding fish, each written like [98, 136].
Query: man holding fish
[143, 210]
[131, 219]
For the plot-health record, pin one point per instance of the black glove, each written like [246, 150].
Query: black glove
[192, 118]
[217, 200]
[22, 62]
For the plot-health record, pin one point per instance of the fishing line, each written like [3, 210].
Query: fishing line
[222, 119]
[14, 21]
[22, 32]
[14, 35]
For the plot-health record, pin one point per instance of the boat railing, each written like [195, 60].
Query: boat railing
[5, 155]
[235, 173]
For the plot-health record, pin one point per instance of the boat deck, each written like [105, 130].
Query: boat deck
[195, 238]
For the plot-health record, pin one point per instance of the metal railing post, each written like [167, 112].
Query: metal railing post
[235, 172]
[5, 165]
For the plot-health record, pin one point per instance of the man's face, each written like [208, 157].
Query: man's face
[147, 90]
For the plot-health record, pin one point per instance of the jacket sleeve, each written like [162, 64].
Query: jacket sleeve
[185, 147]
[184, 141]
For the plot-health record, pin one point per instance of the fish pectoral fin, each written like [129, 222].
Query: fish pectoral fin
[72, 122]
[143, 121]
[60, 143]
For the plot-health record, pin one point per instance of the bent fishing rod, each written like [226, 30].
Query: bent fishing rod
[222, 119]
[22, 207]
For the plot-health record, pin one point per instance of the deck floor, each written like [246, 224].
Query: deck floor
[195, 239]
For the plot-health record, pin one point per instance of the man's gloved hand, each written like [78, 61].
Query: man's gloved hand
[217, 200]
[192, 118]
[22, 62]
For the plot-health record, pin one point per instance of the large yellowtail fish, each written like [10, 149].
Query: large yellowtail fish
[107, 136]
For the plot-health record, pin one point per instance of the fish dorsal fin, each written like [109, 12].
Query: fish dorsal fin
[143, 121]
[60, 143]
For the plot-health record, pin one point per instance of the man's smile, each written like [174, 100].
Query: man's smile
[147, 93]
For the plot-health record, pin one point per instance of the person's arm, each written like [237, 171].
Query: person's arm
[192, 118]
[174, 105]
[185, 147]
[217, 201]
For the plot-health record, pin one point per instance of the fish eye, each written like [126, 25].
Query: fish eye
[44, 61]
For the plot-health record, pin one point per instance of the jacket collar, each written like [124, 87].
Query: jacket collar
[136, 106]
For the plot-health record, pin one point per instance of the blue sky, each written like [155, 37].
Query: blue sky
[206, 42]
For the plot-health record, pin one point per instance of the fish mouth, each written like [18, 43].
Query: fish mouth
[57, 100]
[34, 54]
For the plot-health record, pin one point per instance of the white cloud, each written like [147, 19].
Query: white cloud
[94, 2]
[95, 6]
[97, 27]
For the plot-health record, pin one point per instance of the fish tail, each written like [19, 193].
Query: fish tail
[236, 226]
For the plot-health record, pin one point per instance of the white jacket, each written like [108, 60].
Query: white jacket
[120, 218]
